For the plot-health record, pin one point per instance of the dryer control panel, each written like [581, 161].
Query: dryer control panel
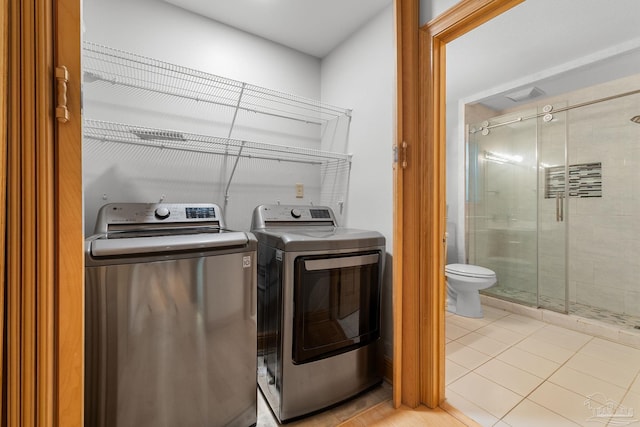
[272, 215]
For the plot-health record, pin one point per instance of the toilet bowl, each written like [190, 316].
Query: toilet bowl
[464, 281]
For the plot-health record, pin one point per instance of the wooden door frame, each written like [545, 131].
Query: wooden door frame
[69, 241]
[27, 201]
[420, 194]
[42, 200]
[406, 321]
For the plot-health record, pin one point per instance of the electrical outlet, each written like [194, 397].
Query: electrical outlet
[299, 191]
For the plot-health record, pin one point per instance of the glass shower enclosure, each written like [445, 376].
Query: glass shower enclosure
[553, 201]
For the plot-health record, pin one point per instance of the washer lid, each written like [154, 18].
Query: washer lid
[468, 270]
[104, 247]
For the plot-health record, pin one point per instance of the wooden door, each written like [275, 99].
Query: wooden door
[42, 228]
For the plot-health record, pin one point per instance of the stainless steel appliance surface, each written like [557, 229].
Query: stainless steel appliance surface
[318, 309]
[170, 318]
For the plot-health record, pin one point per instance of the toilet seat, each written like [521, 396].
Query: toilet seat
[467, 270]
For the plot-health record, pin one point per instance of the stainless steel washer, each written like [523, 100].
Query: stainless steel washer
[170, 325]
[318, 308]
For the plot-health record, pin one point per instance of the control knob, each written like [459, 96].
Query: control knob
[162, 213]
[296, 213]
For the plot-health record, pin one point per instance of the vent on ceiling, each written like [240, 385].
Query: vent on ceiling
[525, 94]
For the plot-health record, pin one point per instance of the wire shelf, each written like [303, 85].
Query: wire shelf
[104, 65]
[176, 140]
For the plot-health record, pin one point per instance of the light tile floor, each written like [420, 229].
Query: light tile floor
[512, 370]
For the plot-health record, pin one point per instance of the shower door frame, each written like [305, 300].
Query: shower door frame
[545, 117]
[507, 229]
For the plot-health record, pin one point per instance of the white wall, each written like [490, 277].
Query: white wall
[360, 73]
[430, 9]
[117, 173]
[165, 32]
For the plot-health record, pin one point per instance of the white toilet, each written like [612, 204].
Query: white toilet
[464, 281]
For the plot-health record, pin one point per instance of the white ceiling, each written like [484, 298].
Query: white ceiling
[546, 35]
[314, 27]
[534, 36]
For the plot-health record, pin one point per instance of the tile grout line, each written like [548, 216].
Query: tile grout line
[629, 392]
[524, 337]
[545, 380]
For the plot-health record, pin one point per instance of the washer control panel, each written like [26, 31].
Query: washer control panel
[156, 213]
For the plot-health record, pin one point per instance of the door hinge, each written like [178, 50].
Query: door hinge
[62, 78]
[402, 155]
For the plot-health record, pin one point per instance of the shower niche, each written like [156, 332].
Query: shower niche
[585, 180]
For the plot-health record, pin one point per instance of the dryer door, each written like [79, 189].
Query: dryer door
[336, 304]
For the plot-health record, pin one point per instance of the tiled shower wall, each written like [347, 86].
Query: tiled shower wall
[604, 232]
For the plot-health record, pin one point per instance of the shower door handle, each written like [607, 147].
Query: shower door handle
[559, 207]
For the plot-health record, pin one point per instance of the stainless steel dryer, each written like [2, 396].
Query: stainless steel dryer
[170, 325]
[318, 308]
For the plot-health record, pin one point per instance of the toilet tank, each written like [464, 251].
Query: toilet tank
[452, 250]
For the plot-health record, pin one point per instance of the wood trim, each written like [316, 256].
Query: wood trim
[43, 221]
[397, 225]
[69, 259]
[459, 415]
[14, 226]
[29, 268]
[29, 328]
[4, 97]
[433, 202]
[406, 280]
[27, 212]
[465, 16]
[460, 19]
